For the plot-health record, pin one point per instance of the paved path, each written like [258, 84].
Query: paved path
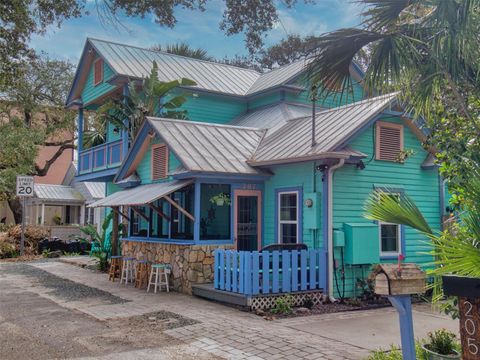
[220, 331]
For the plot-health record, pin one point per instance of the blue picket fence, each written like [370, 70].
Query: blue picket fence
[269, 272]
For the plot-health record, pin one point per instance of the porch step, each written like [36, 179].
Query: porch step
[207, 291]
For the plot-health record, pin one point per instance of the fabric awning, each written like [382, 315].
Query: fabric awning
[141, 195]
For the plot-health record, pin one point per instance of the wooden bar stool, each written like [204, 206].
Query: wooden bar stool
[128, 270]
[141, 274]
[159, 277]
[115, 267]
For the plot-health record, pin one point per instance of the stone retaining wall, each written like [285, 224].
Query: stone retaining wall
[191, 264]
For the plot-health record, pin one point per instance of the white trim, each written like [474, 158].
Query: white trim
[399, 240]
[280, 221]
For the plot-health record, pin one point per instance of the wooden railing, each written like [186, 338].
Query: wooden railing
[269, 272]
[100, 157]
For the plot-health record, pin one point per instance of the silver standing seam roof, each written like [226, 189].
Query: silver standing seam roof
[61, 193]
[333, 128]
[206, 147]
[135, 62]
[141, 195]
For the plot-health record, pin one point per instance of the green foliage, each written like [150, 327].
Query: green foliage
[394, 353]
[46, 253]
[184, 49]
[8, 250]
[283, 305]
[96, 238]
[442, 342]
[154, 98]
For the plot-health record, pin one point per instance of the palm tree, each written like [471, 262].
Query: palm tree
[427, 49]
[456, 250]
[183, 49]
[152, 98]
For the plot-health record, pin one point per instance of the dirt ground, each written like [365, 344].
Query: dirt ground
[36, 328]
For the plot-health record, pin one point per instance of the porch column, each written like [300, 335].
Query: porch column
[125, 126]
[196, 212]
[114, 239]
[80, 137]
[82, 215]
[42, 219]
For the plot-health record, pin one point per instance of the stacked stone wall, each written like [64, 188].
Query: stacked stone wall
[190, 264]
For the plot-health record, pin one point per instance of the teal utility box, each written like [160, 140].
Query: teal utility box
[312, 210]
[338, 238]
[361, 243]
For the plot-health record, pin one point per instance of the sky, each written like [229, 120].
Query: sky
[198, 29]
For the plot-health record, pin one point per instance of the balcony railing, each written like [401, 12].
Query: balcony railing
[100, 157]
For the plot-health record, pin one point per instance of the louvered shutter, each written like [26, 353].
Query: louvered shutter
[159, 162]
[389, 141]
[98, 72]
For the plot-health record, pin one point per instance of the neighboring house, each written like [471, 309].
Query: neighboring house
[65, 206]
[244, 173]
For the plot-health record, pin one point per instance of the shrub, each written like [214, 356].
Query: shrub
[5, 227]
[33, 234]
[7, 250]
[283, 305]
[442, 342]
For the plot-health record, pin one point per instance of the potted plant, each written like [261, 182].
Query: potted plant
[221, 199]
[441, 344]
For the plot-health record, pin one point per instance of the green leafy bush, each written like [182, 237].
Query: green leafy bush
[7, 250]
[442, 342]
[283, 305]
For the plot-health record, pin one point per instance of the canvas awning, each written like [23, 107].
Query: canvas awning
[141, 195]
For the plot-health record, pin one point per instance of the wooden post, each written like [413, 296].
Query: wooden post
[115, 231]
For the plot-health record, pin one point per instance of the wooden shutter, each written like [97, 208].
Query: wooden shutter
[389, 141]
[97, 71]
[159, 161]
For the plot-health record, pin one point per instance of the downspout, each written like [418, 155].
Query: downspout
[331, 170]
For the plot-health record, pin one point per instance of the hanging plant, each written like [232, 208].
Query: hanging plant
[221, 199]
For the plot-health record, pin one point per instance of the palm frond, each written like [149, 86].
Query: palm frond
[382, 206]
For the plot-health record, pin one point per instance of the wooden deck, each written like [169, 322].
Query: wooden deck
[267, 301]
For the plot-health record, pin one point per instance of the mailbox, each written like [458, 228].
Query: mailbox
[390, 279]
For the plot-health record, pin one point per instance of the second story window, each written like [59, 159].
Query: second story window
[389, 141]
[97, 72]
[159, 161]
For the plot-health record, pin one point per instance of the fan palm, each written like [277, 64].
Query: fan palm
[455, 250]
[183, 49]
[428, 49]
[153, 97]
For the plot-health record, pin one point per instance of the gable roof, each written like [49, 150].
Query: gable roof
[206, 147]
[60, 193]
[136, 63]
[334, 127]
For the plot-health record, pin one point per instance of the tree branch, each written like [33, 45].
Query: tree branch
[42, 171]
[58, 143]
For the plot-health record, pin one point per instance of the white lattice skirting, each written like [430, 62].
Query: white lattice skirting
[265, 302]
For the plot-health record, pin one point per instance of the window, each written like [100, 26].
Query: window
[159, 162]
[138, 224]
[181, 225]
[215, 212]
[159, 224]
[389, 141]
[288, 217]
[390, 243]
[97, 72]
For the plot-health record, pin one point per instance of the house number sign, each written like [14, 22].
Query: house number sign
[469, 310]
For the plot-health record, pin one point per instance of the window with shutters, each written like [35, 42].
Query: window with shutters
[159, 161]
[97, 72]
[389, 141]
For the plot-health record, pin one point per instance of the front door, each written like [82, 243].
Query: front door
[248, 220]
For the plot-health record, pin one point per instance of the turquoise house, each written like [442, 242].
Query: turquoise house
[253, 167]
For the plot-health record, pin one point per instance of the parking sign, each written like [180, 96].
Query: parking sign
[25, 186]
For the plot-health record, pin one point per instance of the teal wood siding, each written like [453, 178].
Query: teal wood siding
[144, 168]
[288, 176]
[112, 188]
[264, 100]
[215, 109]
[111, 134]
[352, 187]
[91, 92]
[330, 101]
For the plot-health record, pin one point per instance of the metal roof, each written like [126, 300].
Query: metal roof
[136, 62]
[141, 195]
[333, 128]
[90, 190]
[57, 193]
[205, 147]
[272, 117]
[277, 77]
